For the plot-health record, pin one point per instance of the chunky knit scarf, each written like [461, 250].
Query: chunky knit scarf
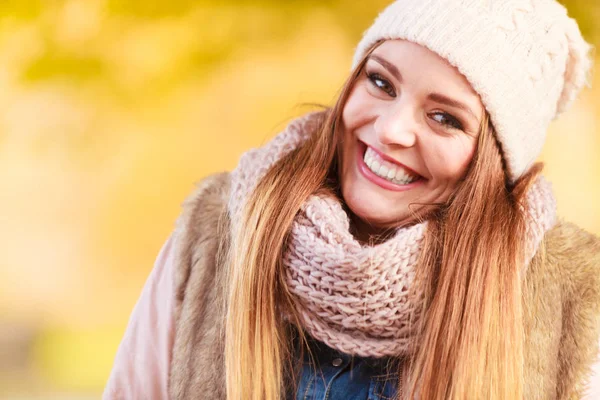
[353, 297]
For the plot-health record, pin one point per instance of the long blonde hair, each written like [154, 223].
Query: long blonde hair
[468, 272]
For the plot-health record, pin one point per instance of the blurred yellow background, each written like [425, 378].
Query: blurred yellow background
[112, 109]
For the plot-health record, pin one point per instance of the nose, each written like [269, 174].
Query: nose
[397, 126]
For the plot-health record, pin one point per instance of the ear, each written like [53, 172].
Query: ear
[579, 66]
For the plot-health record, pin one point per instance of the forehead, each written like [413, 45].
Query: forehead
[416, 62]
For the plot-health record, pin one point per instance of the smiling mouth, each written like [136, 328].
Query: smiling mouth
[383, 172]
[387, 170]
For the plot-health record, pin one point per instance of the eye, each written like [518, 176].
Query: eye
[381, 83]
[446, 120]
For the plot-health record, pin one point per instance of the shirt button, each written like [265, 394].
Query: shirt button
[337, 362]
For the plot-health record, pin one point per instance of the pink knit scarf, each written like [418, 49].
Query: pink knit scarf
[354, 297]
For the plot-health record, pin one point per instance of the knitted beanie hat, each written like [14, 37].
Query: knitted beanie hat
[526, 59]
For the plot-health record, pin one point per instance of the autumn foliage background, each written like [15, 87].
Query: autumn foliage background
[112, 109]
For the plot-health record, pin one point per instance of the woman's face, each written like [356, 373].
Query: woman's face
[410, 129]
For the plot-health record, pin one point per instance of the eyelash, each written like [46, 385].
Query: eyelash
[374, 77]
[453, 122]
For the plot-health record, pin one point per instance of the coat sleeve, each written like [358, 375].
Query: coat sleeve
[141, 365]
[593, 392]
[579, 255]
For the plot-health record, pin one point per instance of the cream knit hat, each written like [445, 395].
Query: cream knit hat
[525, 58]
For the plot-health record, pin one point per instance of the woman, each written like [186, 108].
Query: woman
[401, 244]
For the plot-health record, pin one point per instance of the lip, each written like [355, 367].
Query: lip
[379, 181]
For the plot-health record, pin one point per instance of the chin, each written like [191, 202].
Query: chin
[372, 209]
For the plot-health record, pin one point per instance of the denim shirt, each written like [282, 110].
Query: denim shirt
[338, 376]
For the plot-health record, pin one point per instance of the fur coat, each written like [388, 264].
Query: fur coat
[561, 300]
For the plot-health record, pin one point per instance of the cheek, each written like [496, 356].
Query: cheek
[353, 117]
[449, 160]
[357, 108]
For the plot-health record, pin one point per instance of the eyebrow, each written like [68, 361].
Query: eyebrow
[437, 97]
[389, 66]
[440, 98]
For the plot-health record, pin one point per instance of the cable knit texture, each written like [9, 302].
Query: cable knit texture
[525, 58]
[354, 297]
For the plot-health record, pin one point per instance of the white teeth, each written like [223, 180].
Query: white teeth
[375, 166]
[391, 172]
[401, 176]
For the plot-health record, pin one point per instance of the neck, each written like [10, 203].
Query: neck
[365, 232]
